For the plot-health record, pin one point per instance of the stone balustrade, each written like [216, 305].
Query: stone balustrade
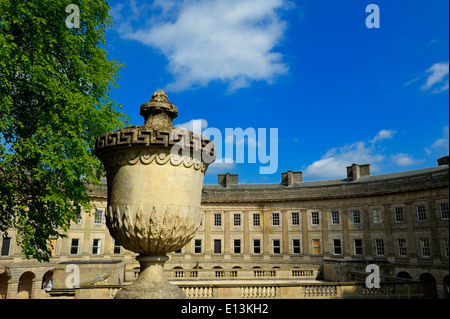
[187, 274]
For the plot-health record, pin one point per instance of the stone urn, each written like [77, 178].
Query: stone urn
[154, 175]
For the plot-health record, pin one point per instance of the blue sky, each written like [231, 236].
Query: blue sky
[337, 91]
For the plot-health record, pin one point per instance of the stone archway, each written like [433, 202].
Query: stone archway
[4, 280]
[25, 288]
[46, 278]
[446, 287]
[429, 286]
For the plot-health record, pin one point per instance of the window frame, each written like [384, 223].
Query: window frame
[217, 220]
[444, 211]
[295, 219]
[197, 245]
[421, 215]
[296, 247]
[337, 249]
[257, 247]
[357, 247]
[77, 246]
[96, 248]
[275, 219]
[256, 219]
[276, 247]
[401, 245]
[315, 219]
[335, 218]
[379, 247]
[236, 220]
[237, 246]
[356, 217]
[399, 215]
[217, 244]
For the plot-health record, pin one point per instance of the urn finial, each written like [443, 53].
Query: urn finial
[159, 112]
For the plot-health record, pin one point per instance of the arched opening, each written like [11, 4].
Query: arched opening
[429, 286]
[404, 274]
[177, 267]
[256, 267]
[25, 288]
[237, 267]
[4, 278]
[217, 267]
[46, 279]
[446, 287]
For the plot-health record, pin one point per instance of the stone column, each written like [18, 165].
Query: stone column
[305, 239]
[285, 227]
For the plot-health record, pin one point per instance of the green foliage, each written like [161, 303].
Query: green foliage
[54, 102]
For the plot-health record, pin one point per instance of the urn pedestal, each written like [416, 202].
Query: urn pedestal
[154, 175]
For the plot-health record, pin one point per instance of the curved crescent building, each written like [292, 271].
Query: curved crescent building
[398, 220]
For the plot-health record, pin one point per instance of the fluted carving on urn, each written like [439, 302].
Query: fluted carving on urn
[153, 229]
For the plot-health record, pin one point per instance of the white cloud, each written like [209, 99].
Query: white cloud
[231, 41]
[438, 78]
[383, 135]
[402, 159]
[333, 164]
[441, 143]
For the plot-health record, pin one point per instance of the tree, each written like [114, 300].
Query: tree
[54, 102]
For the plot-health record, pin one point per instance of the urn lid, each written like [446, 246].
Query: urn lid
[159, 112]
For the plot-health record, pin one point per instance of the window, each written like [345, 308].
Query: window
[446, 246]
[316, 246]
[444, 210]
[315, 218]
[356, 217]
[256, 220]
[74, 246]
[217, 246]
[337, 246]
[217, 219]
[178, 251]
[98, 217]
[96, 246]
[425, 247]
[5, 246]
[295, 219]
[276, 246]
[198, 246]
[237, 246]
[358, 246]
[77, 218]
[296, 246]
[379, 247]
[237, 219]
[117, 248]
[53, 245]
[401, 247]
[335, 217]
[399, 215]
[376, 216]
[256, 246]
[421, 213]
[275, 219]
